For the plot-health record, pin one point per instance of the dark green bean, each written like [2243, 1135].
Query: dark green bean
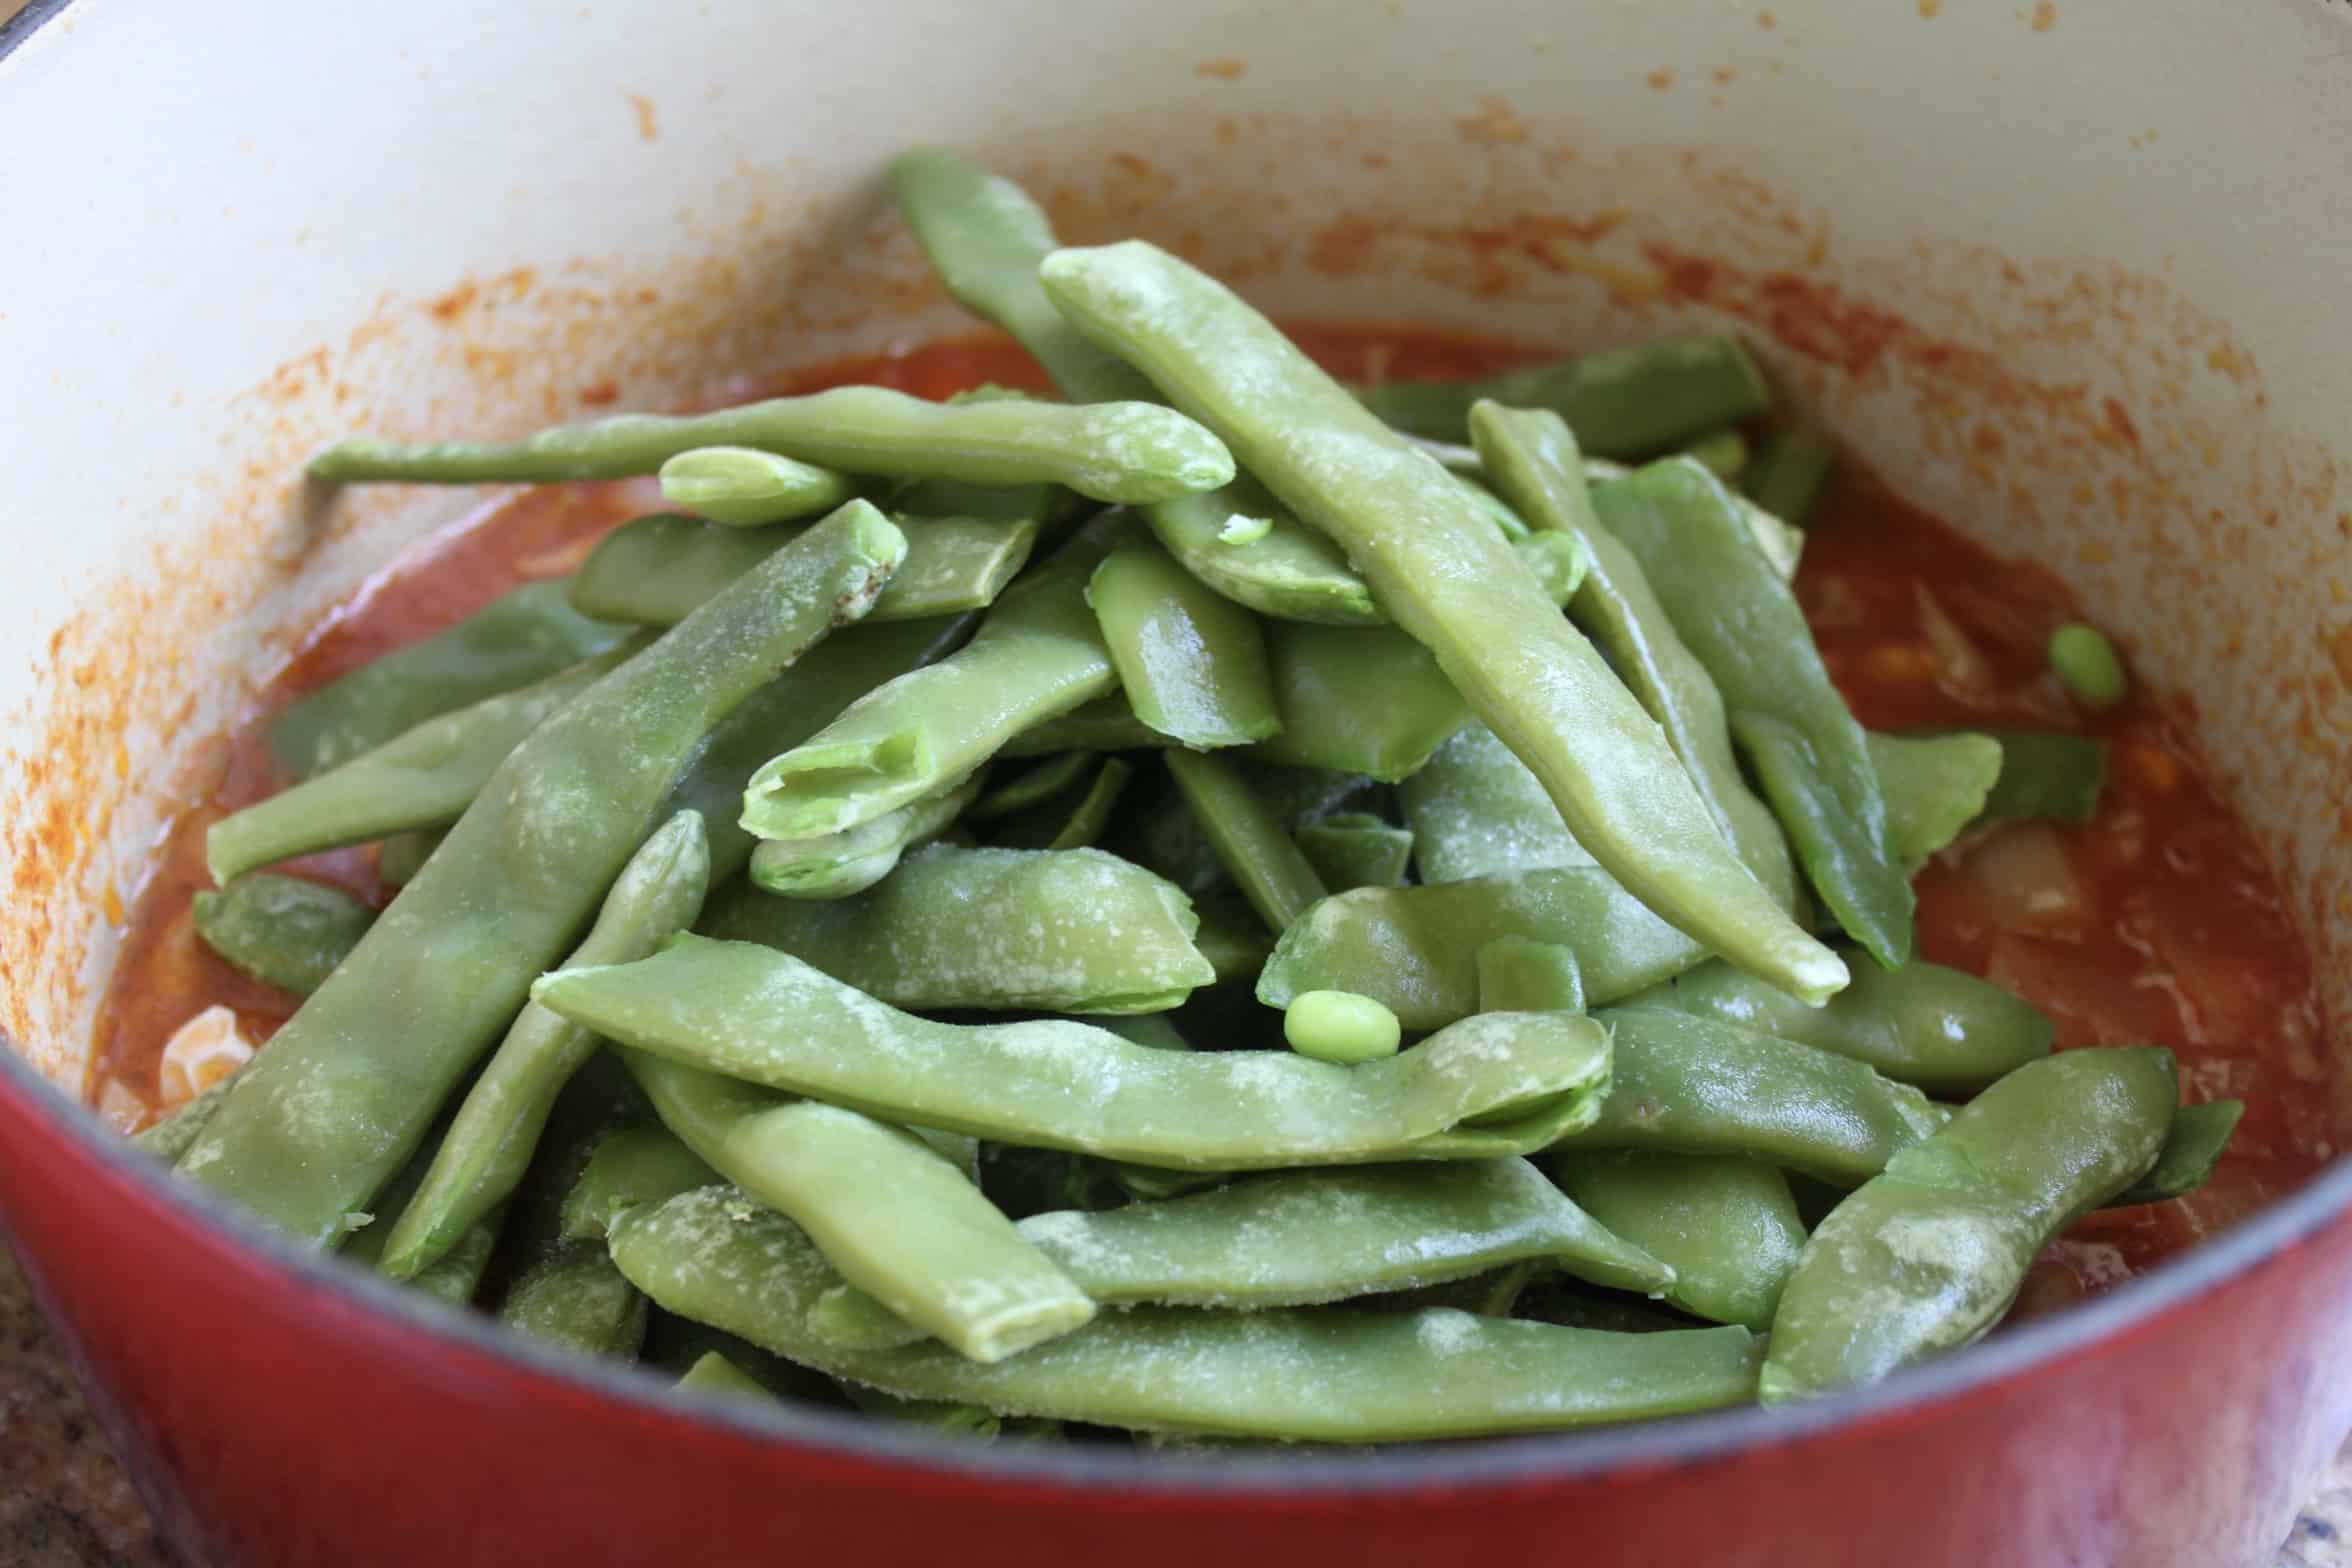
[1248, 838]
[289, 932]
[1289, 572]
[1928, 1256]
[1791, 471]
[1934, 786]
[350, 1084]
[840, 864]
[2047, 776]
[1356, 849]
[169, 1139]
[2198, 1138]
[1623, 402]
[1191, 664]
[457, 1274]
[632, 1165]
[1726, 1227]
[1031, 787]
[521, 637]
[1519, 976]
[1081, 824]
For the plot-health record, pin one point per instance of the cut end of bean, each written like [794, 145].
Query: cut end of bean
[1341, 1026]
[1244, 530]
[2088, 666]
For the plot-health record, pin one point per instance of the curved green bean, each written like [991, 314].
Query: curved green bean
[349, 1086]
[1726, 1227]
[631, 1166]
[2194, 1144]
[1191, 664]
[1934, 786]
[289, 932]
[1288, 572]
[757, 1014]
[1248, 837]
[1075, 931]
[1306, 1373]
[1929, 1255]
[745, 488]
[840, 864]
[1356, 849]
[1129, 453]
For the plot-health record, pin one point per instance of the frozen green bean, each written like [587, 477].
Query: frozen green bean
[1248, 838]
[1031, 786]
[839, 864]
[169, 1139]
[633, 1165]
[573, 1297]
[746, 488]
[715, 1374]
[1519, 976]
[1366, 700]
[289, 932]
[1791, 471]
[1105, 724]
[1191, 664]
[1727, 1228]
[1286, 570]
[1622, 402]
[1356, 849]
[1476, 810]
[402, 855]
[1723, 454]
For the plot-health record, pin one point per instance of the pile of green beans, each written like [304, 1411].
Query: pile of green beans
[1389, 859]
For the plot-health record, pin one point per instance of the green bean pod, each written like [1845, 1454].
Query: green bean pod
[1300, 1373]
[1929, 1255]
[1191, 664]
[1074, 931]
[1727, 1227]
[1941, 1029]
[289, 932]
[1076, 825]
[523, 636]
[572, 1296]
[1487, 1086]
[1032, 786]
[1476, 810]
[1934, 785]
[350, 1084]
[2047, 776]
[2194, 1144]
[1366, 700]
[1519, 976]
[713, 1373]
[402, 855]
[840, 864]
[1289, 572]
[1791, 471]
[744, 488]
[630, 1166]
[1623, 402]
[169, 1139]
[1248, 838]
[1356, 849]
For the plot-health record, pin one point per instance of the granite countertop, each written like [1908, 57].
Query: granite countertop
[65, 1504]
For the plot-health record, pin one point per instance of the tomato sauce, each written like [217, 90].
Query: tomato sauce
[2156, 922]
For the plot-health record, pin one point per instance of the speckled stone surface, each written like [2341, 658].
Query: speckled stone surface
[64, 1502]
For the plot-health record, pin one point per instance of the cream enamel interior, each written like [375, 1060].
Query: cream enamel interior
[286, 227]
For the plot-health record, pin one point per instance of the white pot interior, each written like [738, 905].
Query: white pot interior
[2064, 274]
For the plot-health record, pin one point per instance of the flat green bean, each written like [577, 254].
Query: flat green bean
[1723, 454]
[2047, 776]
[1074, 931]
[350, 1084]
[1288, 572]
[1519, 976]
[1928, 1256]
[520, 637]
[1191, 663]
[457, 1275]
[1791, 471]
[1934, 785]
[745, 488]
[1944, 1030]
[1105, 724]
[1476, 810]
[630, 1166]
[289, 932]
[715, 1374]
[757, 1014]
[1727, 1228]
[1358, 699]
[1302, 1373]
[1450, 582]
[1623, 402]
[2195, 1143]
[1356, 849]
[1129, 453]
[571, 1296]
[1249, 839]
[169, 1139]
[840, 864]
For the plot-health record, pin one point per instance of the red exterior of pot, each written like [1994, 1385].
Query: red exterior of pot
[278, 1414]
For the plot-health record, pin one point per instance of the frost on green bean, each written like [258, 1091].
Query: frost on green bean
[1476, 810]
[1356, 849]
[289, 932]
[1297, 1373]
[757, 1014]
[837, 865]
[744, 488]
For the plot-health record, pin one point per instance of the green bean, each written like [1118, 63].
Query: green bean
[1452, 456]
[1304, 1238]
[1248, 839]
[1689, 1085]
[1929, 1255]
[1727, 1228]
[1534, 460]
[1942, 1029]
[1791, 471]
[1723, 454]
[947, 1417]
[2047, 776]
[632, 1165]
[840, 864]
[1049, 827]
[1231, 937]
[402, 855]
[655, 570]
[2087, 665]
[573, 1297]
[1477, 810]
[2198, 1138]
[1128, 453]
[1519, 976]
[489, 1144]
[289, 932]
[350, 1084]
[1287, 572]
[1339, 1026]
[1559, 563]
[520, 637]
[1356, 849]
[422, 778]
[715, 1374]
[456, 1275]
[1934, 786]
[1038, 653]
[169, 1139]
[1447, 582]
[1192, 664]
[1783, 543]
[1366, 700]
[1058, 773]
[1105, 724]
[674, 1344]
[753, 1013]
[1624, 402]
[744, 488]
[1075, 931]
[1311, 1373]
[1733, 610]
[895, 1217]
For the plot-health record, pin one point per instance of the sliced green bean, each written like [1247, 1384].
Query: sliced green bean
[1723, 454]
[1623, 402]
[1248, 838]
[1944, 1030]
[1074, 931]
[715, 1374]
[1726, 1227]
[947, 1417]
[573, 1297]
[1191, 664]
[1449, 581]
[402, 855]
[422, 778]
[289, 932]
[2047, 776]
[1304, 1238]
[1356, 849]
[520, 637]
[1519, 976]
[757, 1014]
[488, 1147]
[1476, 810]
[1689, 1085]
[1129, 453]
[1929, 1255]
[1366, 700]
[1734, 611]
[1535, 462]
[1105, 724]
[1791, 471]
[1306, 1373]
[840, 864]
[1031, 787]
[1038, 654]
[1083, 822]
[1288, 572]
[2195, 1143]
[1339, 1026]
[630, 1166]
[745, 488]
[350, 1084]
[457, 1275]
[1934, 785]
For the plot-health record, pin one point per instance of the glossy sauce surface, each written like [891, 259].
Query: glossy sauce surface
[2157, 922]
